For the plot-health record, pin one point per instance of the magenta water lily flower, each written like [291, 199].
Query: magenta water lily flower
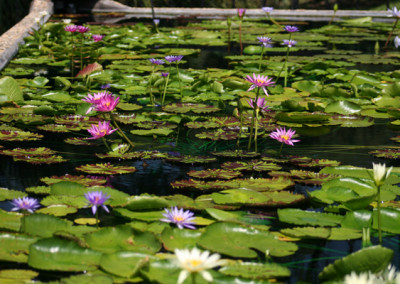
[395, 12]
[267, 10]
[289, 43]
[260, 81]
[266, 41]
[82, 29]
[97, 38]
[71, 28]
[260, 104]
[241, 12]
[284, 136]
[156, 61]
[101, 130]
[291, 29]
[173, 58]
[103, 101]
[25, 203]
[97, 199]
[183, 219]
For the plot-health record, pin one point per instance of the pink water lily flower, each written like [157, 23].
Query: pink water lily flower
[260, 104]
[241, 12]
[101, 130]
[260, 81]
[82, 29]
[97, 38]
[284, 136]
[71, 28]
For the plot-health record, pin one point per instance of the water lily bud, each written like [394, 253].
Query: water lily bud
[335, 7]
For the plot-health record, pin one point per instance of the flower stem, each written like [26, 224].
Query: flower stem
[97, 218]
[72, 55]
[240, 37]
[179, 80]
[193, 278]
[262, 55]
[273, 20]
[252, 119]
[286, 61]
[81, 51]
[378, 200]
[165, 89]
[280, 150]
[121, 132]
[105, 143]
[151, 87]
[391, 32]
[256, 130]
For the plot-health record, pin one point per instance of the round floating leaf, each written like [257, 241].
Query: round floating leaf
[86, 221]
[9, 276]
[112, 239]
[146, 202]
[358, 219]
[300, 217]
[307, 232]
[6, 194]
[390, 220]
[184, 108]
[10, 220]
[62, 255]
[43, 225]
[257, 271]
[239, 197]
[342, 234]
[187, 159]
[53, 159]
[44, 190]
[88, 278]
[151, 132]
[41, 151]
[105, 169]
[124, 263]
[343, 107]
[57, 210]
[214, 174]
[19, 136]
[15, 247]
[10, 87]
[77, 179]
[175, 238]
[239, 241]
[236, 154]
[373, 259]
[253, 165]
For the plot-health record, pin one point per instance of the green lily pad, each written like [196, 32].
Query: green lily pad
[6, 194]
[257, 271]
[15, 247]
[374, 259]
[10, 87]
[112, 239]
[146, 202]
[307, 232]
[124, 263]
[239, 241]
[10, 220]
[62, 255]
[43, 225]
[106, 169]
[57, 210]
[175, 238]
[343, 107]
[8, 276]
[301, 217]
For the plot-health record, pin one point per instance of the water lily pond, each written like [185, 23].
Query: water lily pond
[236, 151]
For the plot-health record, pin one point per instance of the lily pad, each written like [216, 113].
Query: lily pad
[105, 169]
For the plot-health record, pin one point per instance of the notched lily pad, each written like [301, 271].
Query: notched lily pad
[105, 169]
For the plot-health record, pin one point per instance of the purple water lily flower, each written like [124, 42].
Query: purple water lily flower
[156, 22]
[156, 61]
[291, 29]
[179, 217]
[266, 41]
[164, 74]
[25, 203]
[395, 12]
[396, 41]
[96, 199]
[105, 86]
[267, 10]
[259, 81]
[289, 43]
[173, 58]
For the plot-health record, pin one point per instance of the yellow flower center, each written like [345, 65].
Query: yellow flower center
[285, 137]
[194, 262]
[178, 218]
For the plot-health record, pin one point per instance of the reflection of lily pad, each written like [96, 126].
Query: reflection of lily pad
[105, 169]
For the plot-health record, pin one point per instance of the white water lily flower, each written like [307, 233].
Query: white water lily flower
[396, 41]
[380, 173]
[362, 278]
[196, 261]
